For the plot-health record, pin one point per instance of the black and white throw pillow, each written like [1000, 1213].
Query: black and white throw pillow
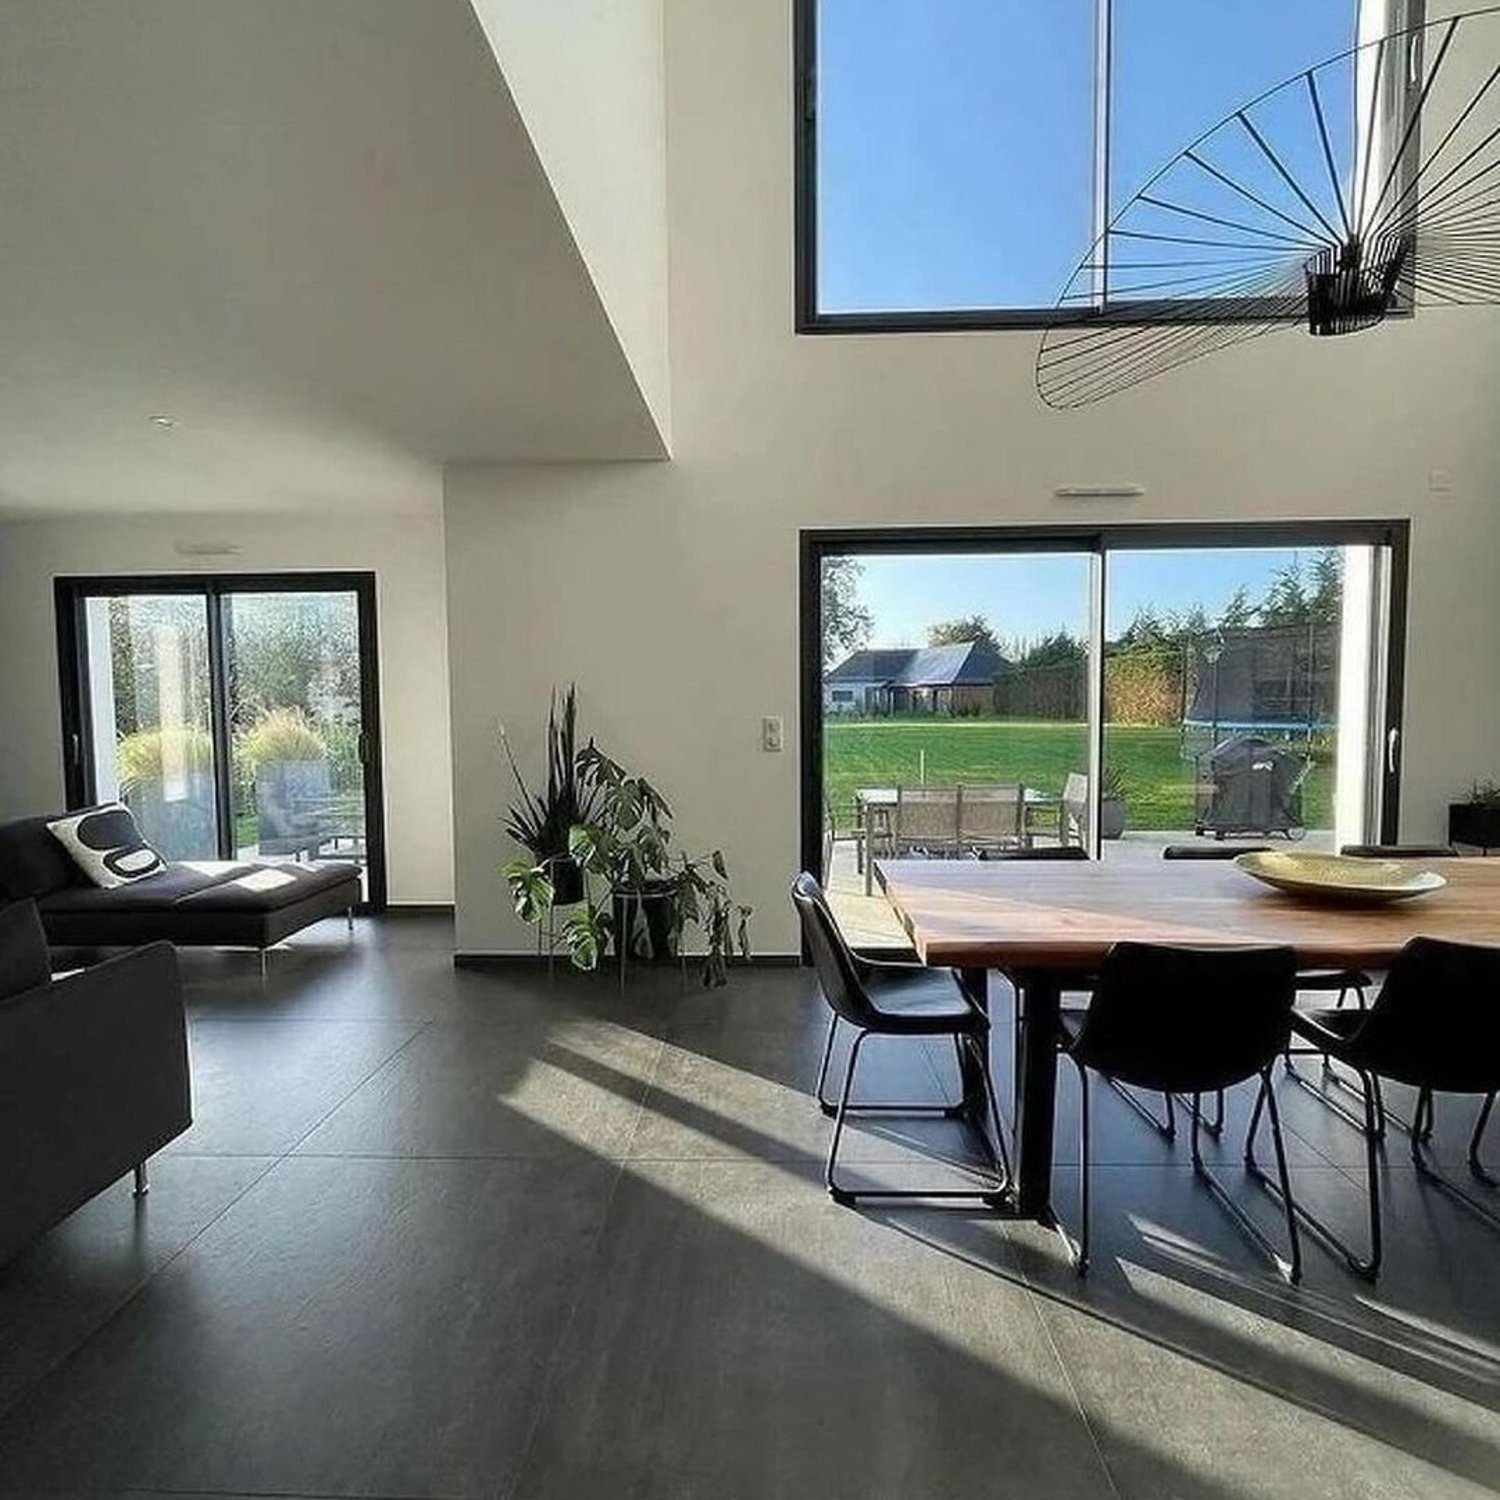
[107, 846]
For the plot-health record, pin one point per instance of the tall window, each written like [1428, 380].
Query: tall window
[959, 157]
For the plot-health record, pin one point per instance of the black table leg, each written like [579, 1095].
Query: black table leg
[1039, 995]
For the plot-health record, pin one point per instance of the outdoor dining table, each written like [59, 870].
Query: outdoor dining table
[874, 805]
[1042, 924]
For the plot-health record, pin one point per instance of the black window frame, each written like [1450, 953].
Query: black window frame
[816, 543]
[71, 595]
[808, 318]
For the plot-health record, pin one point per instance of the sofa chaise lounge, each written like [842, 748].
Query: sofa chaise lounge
[208, 904]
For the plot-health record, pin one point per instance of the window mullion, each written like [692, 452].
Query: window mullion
[1103, 101]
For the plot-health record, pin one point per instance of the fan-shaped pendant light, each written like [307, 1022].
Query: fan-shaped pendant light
[1347, 192]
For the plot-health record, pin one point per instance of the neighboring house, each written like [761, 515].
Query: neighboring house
[946, 681]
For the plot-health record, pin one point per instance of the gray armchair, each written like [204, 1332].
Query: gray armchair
[93, 1075]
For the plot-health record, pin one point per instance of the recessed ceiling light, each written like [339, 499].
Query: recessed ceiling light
[162, 421]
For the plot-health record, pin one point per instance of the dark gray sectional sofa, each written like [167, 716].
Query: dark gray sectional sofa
[93, 1074]
[191, 905]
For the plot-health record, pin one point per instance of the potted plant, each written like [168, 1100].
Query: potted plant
[640, 894]
[167, 781]
[541, 823]
[288, 760]
[1476, 820]
[1112, 803]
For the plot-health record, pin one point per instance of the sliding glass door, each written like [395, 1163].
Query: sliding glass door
[236, 715]
[1118, 689]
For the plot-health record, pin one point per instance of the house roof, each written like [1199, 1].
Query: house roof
[967, 663]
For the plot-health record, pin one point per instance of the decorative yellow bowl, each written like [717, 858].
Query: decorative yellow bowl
[1338, 878]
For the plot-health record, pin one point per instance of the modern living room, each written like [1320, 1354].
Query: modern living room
[479, 1016]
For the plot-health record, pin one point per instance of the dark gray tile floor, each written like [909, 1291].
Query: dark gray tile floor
[438, 1233]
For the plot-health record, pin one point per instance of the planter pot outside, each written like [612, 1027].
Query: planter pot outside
[566, 875]
[177, 821]
[291, 798]
[1469, 823]
[1111, 818]
[658, 906]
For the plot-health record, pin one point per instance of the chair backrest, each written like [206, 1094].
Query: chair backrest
[1188, 1020]
[1212, 851]
[833, 962]
[1436, 1020]
[1075, 808]
[990, 813]
[927, 815]
[1399, 851]
[1040, 852]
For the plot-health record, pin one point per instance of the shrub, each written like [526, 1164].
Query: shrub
[171, 749]
[281, 734]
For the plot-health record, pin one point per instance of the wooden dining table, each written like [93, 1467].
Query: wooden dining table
[1041, 923]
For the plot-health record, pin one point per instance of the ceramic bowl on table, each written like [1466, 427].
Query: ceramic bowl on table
[1340, 879]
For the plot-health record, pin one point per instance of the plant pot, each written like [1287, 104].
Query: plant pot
[566, 875]
[657, 904]
[1474, 824]
[1111, 818]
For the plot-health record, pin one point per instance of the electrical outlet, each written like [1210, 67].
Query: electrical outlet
[771, 737]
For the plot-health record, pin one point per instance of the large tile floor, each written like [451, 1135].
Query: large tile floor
[457, 1234]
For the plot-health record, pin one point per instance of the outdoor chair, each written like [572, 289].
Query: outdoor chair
[990, 817]
[833, 837]
[1073, 819]
[926, 820]
[1148, 1026]
[1434, 1027]
[878, 998]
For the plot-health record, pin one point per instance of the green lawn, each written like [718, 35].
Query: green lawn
[1159, 782]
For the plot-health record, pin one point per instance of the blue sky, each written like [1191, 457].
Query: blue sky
[1031, 596]
[956, 136]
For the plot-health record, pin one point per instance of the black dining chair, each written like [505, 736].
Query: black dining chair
[1188, 1021]
[878, 998]
[1399, 851]
[1434, 1026]
[1356, 982]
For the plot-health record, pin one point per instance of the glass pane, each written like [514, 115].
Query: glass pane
[955, 152]
[295, 715]
[955, 713]
[148, 682]
[1229, 712]
[1181, 66]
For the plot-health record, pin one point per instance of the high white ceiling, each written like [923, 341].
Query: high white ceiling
[314, 233]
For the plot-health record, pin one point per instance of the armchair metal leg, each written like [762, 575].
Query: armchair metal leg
[1291, 1269]
[1429, 1173]
[349, 919]
[1333, 1076]
[1366, 1266]
[993, 1195]
[1215, 1126]
[263, 953]
[142, 1181]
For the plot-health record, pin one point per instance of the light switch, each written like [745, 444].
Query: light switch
[771, 733]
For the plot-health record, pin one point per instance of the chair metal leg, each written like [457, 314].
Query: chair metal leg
[1367, 1267]
[263, 953]
[993, 1195]
[1164, 1127]
[1429, 1173]
[1476, 1166]
[142, 1181]
[349, 919]
[918, 1109]
[1333, 1076]
[1291, 1270]
[1215, 1126]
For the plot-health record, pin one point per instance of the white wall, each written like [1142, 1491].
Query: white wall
[406, 554]
[669, 591]
[587, 78]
